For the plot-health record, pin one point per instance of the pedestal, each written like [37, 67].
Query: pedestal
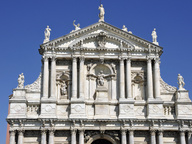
[78, 109]
[155, 110]
[101, 103]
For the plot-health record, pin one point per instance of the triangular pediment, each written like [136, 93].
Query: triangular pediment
[102, 36]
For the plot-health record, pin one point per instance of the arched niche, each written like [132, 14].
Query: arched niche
[102, 136]
[96, 68]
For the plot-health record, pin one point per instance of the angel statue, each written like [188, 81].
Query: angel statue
[21, 81]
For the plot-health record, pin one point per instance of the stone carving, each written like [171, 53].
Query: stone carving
[63, 88]
[165, 88]
[89, 66]
[113, 67]
[127, 108]
[48, 108]
[78, 108]
[140, 110]
[102, 13]
[185, 109]
[36, 86]
[21, 81]
[154, 37]
[101, 39]
[181, 82]
[155, 110]
[47, 34]
[18, 108]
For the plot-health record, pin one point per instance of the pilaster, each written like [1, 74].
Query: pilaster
[81, 136]
[153, 136]
[20, 136]
[43, 137]
[51, 136]
[74, 78]
[149, 79]
[122, 79]
[182, 137]
[131, 136]
[157, 78]
[128, 78]
[81, 78]
[53, 77]
[45, 77]
[160, 137]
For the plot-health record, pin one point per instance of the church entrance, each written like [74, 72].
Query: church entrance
[101, 141]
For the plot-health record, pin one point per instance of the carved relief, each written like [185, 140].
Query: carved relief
[36, 86]
[101, 39]
[165, 88]
[48, 108]
[140, 110]
[155, 110]
[185, 109]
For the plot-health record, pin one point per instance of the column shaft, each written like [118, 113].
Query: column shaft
[74, 78]
[81, 137]
[12, 137]
[53, 77]
[123, 137]
[153, 137]
[189, 137]
[51, 137]
[149, 79]
[45, 77]
[81, 78]
[20, 137]
[122, 79]
[157, 78]
[160, 137]
[128, 78]
[182, 137]
[73, 137]
[131, 137]
[43, 137]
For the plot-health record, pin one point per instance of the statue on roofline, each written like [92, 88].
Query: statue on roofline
[102, 13]
[47, 34]
[21, 81]
[181, 82]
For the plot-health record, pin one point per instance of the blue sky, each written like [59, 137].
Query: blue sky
[22, 25]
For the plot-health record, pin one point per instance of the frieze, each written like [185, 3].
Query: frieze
[36, 86]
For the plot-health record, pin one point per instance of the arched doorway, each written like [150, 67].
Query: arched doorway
[101, 141]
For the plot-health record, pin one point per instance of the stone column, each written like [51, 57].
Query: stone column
[74, 78]
[51, 136]
[149, 79]
[189, 137]
[131, 136]
[81, 78]
[73, 136]
[153, 137]
[45, 77]
[122, 79]
[123, 137]
[128, 78]
[81, 136]
[43, 137]
[160, 137]
[157, 78]
[20, 137]
[53, 77]
[182, 137]
[12, 137]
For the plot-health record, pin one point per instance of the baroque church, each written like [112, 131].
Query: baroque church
[100, 84]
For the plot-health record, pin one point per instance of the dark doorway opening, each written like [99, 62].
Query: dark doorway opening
[101, 141]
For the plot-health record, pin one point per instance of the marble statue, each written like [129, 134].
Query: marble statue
[102, 13]
[100, 78]
[77, 27]
[63, 88]
[124, 28]
[47, 34]
[21, 81]
[154, 35]
[181, 82]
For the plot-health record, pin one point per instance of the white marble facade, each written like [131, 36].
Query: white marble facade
[100, 83]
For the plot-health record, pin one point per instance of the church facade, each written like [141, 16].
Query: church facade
[100, 84]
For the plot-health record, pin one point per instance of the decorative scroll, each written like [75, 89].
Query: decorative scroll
[165, 88]
[36, 86]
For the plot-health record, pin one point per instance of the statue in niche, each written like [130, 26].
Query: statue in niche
[102, 13]
[63, 88]
[181, 82]
[21, 81]
[100, 78]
